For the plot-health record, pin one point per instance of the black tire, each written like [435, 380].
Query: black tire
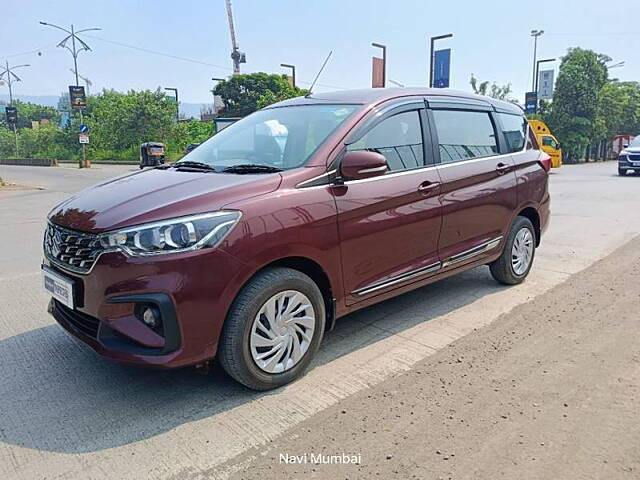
[234, 352]
[502, 268]
[621, 171]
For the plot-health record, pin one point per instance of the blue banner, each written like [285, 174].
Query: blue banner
[441, 65]
[530, 102]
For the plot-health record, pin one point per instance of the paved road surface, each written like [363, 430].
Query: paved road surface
[69, 414]
[550, 390]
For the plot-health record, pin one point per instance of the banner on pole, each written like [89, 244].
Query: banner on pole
[12, 115]
[441, 68]
[77, 96]
[530, 102]
[377, 72]
[545, 85]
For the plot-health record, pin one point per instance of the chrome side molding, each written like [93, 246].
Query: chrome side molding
[472, 252]
[434, 267]
[429, 269]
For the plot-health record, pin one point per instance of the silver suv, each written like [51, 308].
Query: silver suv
[629, 157]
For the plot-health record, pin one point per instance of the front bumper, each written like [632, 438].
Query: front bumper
[624, 162]
[193, 291]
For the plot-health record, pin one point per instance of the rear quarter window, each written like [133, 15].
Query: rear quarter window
[514, 128]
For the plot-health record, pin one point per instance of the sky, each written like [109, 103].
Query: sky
[491, 40]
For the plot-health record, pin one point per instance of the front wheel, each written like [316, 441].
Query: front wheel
[621, 171]
[273, 329]
[513, 266]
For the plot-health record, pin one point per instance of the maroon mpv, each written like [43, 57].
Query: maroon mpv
[252, 245]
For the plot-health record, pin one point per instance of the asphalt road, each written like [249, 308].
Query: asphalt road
[547, 391]
[66, 413]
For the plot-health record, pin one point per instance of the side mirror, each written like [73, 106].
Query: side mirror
[362, 164]
[625, 145]
[558, 146]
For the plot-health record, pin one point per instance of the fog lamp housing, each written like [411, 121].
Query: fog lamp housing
[150, 315]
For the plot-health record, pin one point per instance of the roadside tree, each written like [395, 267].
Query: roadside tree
[581, 77]
[246, 93]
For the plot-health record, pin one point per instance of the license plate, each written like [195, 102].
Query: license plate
[635, 164]
[59, 287]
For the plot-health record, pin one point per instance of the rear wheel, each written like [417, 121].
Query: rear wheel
[273, 330]
[516, 260]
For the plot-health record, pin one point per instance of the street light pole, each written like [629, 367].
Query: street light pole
[175, 90]
[8, 71]
[384, 62]
[73, 35]
[11, 77]
[431, 56]
[293, 72]
[535, 34]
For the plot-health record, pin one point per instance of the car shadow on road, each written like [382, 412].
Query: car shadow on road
[57, 395]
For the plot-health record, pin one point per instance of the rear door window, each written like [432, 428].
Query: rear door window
[398, 138]
[463, 135]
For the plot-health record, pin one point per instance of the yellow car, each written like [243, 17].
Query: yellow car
[548, 143]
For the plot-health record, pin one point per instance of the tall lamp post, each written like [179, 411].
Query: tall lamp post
[293, 73]
[10, 78]
[535, 34]
[75, 51]
[384, 62]
[431, 56]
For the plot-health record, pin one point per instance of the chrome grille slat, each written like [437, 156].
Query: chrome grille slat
[75, 251]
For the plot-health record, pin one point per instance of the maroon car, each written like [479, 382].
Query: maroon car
[251, 246]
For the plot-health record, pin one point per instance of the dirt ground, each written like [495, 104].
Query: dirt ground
[550, 390]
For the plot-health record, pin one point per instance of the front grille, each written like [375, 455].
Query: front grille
[70, 249]
[635, 157]
[79, 321]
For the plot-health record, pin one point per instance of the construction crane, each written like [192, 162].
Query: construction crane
[86, 80]
[237, 56]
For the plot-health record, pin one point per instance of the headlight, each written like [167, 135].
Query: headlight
[172, 236]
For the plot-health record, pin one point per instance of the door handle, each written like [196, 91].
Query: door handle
[502, 168]
[427, 188]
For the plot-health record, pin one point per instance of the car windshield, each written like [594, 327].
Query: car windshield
[281, 138]
[635, 142]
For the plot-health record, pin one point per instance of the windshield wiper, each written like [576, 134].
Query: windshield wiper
[194, 165]
[251, 168]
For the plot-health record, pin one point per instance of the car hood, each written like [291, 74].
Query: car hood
[629, 150]
[155, 195]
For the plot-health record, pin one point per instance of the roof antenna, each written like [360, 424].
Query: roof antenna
[316, 79]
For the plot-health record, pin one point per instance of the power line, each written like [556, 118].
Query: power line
[162, 54]
[37, 50]
[190, 60]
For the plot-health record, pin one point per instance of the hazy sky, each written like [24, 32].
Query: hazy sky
[491, 40]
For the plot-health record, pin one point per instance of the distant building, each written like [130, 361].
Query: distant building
[211, 111]
[618, 142]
